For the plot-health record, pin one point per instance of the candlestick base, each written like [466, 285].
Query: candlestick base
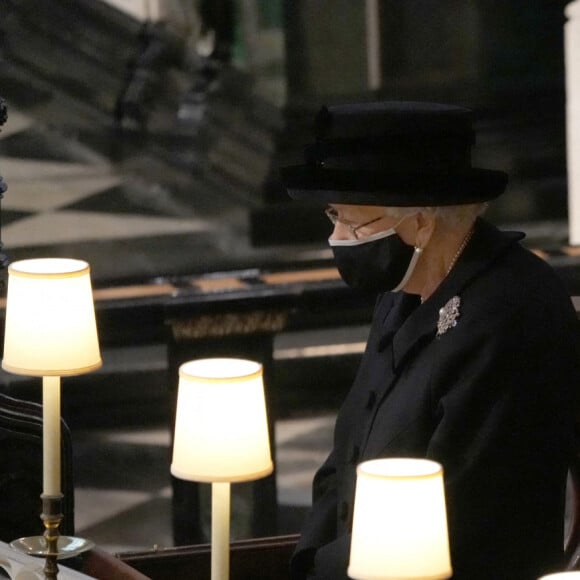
[52, 546]
[68, 546]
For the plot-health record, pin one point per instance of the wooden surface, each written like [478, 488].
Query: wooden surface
[259, 559]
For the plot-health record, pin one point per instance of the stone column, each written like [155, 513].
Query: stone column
[572, 60]
[325, 48]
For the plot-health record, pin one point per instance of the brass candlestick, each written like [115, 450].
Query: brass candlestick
[52, 517]
[52, 546]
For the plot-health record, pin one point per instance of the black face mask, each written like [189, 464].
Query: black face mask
[380, 263]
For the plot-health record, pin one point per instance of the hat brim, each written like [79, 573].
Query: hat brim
[324, 186]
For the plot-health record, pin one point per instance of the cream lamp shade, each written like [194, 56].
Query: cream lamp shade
[50, 318]
[562, 576]
[221, 426]
[400, 521]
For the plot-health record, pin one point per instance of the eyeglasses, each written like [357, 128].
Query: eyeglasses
[332, 215]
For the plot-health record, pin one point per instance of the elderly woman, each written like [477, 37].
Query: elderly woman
[472, 358]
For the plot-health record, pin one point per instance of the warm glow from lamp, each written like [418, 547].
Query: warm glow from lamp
[400, 522]
[221, 426]
[50, 319]
[562, 576]
[50, 331]
[221, 436]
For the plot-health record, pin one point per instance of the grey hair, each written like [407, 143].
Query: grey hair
[453, 216]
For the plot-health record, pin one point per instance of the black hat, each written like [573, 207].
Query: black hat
[392, 154]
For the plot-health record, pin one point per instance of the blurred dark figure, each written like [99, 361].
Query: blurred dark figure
[196, 37]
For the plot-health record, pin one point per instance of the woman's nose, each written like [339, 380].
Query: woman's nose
[340, 232]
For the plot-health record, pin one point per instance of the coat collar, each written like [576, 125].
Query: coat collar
[486, 244]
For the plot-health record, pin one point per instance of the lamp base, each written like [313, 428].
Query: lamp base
[51, 546]
[67, 546]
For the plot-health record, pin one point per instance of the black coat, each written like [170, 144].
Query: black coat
[490, 398]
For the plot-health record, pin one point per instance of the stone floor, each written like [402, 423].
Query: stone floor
[123, 492]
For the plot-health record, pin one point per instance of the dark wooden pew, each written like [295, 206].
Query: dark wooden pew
[258, 559]
[21, 477]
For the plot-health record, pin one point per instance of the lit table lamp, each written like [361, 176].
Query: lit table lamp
[221, 436]
[400, 522]
[50, 331]
[562, 576]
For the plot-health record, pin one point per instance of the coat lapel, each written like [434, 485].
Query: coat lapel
[485, 246]
[397, 343]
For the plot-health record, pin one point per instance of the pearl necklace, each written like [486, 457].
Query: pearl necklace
[456, 256]
[460, 250]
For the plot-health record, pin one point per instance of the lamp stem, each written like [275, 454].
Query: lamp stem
[220, 530]
[51, 435]
[51, 496]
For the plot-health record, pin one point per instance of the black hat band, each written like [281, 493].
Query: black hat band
[396, 154]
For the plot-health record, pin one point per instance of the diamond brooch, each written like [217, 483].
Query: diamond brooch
[448, 315]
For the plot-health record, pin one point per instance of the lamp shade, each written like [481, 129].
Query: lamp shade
[221, 425]
[562, 576]
[50, 318]
[400, 522]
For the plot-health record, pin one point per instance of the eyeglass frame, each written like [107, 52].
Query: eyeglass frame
[332, 215]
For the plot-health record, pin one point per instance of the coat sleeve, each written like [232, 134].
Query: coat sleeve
[318, 540]
[320, 527]
[502, 400]
[320, 555]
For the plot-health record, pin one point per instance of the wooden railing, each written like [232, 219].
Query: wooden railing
[257, 559]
